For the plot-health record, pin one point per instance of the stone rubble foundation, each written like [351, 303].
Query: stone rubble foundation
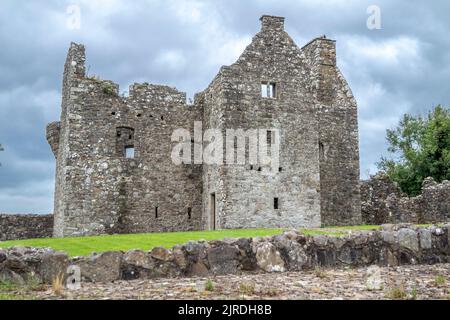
[392, 245]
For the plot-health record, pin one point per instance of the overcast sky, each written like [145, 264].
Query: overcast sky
[402, 68]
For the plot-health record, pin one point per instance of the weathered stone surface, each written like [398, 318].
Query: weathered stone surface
[179, 257]
[293, 252]
[161, 254]
[53, 264]
[198, 269]
[407, 238]
[223, 258]
[269, 258]
[142, 265]
[425, 239]
[103, 267]
[26, 226]
[383, 202]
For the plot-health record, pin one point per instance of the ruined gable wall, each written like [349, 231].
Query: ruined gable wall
[104, 192]
[249, 193]
[339, 142]
[383, 202]
[74, 69]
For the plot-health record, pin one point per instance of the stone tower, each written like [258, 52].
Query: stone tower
[115, 173]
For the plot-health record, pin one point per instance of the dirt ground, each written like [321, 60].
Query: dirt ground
[407, 282]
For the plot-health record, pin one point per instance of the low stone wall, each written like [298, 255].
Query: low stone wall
[392, 245]
[18, 227]
[383, 202]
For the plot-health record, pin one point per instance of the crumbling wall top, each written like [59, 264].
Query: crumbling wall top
[272, 23]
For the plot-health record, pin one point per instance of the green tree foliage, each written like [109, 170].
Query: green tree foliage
[420, 148]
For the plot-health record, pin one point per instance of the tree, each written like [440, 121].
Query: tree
[420, 148]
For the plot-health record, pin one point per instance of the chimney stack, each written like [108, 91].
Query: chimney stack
[272, 23]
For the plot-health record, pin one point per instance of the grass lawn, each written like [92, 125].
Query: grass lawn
[87, 245]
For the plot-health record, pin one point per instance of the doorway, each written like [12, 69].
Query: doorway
[212, 212]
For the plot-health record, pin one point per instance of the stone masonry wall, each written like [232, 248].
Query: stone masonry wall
[311, 189]
[18, 227]
[245, 194]
[99, 190]
[383, 202]
[338, 135]
[393, 245]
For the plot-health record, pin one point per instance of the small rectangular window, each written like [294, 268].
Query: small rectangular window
[129, 152]
[269, 138]
[276, 203]
[189, 213]
[156, 212]
[268, 90]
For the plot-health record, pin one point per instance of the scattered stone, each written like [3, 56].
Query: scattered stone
[374, 280]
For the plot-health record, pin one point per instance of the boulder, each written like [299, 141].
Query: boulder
[269, 258]
[223, 258]
[103, 267]
[53, 264]
[162, 254]
[408, 239]
[179, 257]
[198, 269]
[142, 265]
[247, 256]
[136, 264]
[293, 252]
[425, 239]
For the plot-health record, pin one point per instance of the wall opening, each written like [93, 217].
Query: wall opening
[276, 203]
[268, 90]
[156, 212]
[269, 138]
[321, 151]
[189, 213]
[125, 143]
[212, 212]
[129, 152]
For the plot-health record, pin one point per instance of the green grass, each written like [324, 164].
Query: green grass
[86, 245]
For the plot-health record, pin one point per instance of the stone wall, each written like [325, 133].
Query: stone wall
[383, 202]
[18, 227]
[99, 190]
[393, 245]
[312, 187]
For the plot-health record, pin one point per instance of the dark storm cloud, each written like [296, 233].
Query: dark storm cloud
[404, 67]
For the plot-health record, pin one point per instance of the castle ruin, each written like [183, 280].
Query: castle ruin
[114, 172]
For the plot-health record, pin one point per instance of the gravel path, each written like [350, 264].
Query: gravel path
[407, 282]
